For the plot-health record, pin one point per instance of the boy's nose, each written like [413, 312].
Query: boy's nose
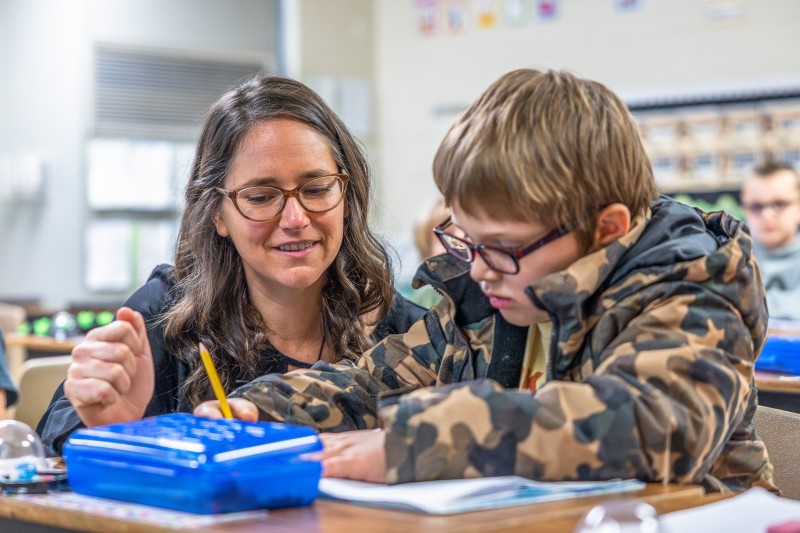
[480, 271]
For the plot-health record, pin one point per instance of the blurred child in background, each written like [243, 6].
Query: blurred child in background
[771, 200]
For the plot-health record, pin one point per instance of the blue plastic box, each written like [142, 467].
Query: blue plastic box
[781, 353]
[183, 462]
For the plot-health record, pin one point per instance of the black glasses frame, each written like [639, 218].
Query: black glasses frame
[234, 193]
[480, 249]
[778, 206]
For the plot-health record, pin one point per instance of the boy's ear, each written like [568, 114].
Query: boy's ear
[613, 221]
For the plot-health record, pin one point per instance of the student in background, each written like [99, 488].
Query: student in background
[428, 246]
[771, 201]
[275, 268]
[8, 391]
[592, 329]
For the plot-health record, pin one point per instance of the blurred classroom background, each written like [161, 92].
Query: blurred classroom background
[101, 100]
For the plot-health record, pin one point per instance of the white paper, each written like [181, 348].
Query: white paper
[445, 497]
[108, 245]
[150, 177]
[753, 510]
[184, 159]
[355, 106]
[126, 174]
[155, 244]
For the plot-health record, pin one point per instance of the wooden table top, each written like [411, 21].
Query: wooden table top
[776, 382]
[334, 517]
[42, 344]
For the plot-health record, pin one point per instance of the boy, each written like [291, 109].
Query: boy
[635, 319]
[771, 200]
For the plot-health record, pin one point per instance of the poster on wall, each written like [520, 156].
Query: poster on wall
[486, 13]
[108, 260]
[627, 5]
[547, 10]
[427, 15]
[516, 13]
[130, 174]
[725, 13]
[455, 16]
[153, 244]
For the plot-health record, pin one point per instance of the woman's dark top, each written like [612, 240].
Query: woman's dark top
[152, 300]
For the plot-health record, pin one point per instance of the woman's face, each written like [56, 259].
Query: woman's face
[293, 251]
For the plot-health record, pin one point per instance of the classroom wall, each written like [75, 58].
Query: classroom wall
[45, 112]
[338, 50]
[417, 85]
[660, 48]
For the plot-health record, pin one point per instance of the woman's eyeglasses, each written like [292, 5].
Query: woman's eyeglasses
[262, 203]
[498, 259]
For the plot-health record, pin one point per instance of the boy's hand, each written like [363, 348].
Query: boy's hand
[241, 409]
[111, 377]
[356, 455]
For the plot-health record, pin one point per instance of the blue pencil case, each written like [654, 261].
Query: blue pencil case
[781, 353]
[183, 462]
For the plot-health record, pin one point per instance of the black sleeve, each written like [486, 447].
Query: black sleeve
[401, 316]
[61, 419]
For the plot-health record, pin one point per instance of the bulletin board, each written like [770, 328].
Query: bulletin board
[134, 191]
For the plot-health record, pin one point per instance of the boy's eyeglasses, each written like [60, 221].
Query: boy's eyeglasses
[262, 204]
[777, 206]
[498, 259]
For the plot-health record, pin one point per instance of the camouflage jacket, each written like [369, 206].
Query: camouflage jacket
[650, 372]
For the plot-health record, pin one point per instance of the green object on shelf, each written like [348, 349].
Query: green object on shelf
[41, 326]
[24, 328]
[104, 317]
[85, 320]
[724, 202]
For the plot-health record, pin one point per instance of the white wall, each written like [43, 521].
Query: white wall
[45, 54]
[418, 82]
[660, 48]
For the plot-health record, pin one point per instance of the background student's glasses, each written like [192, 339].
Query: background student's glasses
[777, 207]
[263, 203]
[498, 259]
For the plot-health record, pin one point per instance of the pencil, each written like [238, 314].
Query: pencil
[213, 377]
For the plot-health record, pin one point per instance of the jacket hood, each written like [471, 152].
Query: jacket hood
[672, 243]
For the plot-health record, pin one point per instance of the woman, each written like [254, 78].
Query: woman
[275, 269]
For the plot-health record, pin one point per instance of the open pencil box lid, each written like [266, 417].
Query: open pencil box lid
[188, 463]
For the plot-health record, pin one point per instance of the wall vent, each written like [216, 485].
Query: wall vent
[146, 93]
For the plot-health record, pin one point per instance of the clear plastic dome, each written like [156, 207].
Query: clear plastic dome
[620, 516]
[21, 452]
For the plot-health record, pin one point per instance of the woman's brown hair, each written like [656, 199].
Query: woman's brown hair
[210, 299]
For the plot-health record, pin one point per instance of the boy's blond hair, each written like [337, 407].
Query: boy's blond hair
[545, 146]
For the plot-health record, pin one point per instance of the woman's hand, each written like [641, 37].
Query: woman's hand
[356, 455]
[111, 377]
[241, 409]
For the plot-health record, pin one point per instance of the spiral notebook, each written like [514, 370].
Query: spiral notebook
[462, 495]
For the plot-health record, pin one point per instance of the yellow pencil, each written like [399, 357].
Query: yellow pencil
[213, 377]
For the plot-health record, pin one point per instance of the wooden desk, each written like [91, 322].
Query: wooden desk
[19, 348]
[775, 382]
[332, 517]
[778, 391]
[40, 344]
